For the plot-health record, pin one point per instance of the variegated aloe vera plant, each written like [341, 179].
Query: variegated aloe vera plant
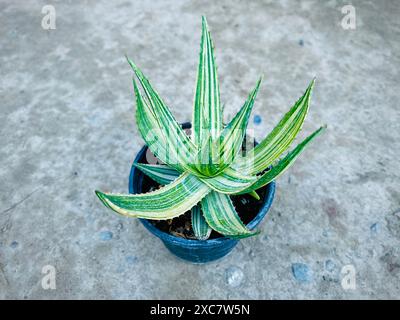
[201, 171]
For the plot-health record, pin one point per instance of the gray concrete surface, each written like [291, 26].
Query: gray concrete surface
[67, 128]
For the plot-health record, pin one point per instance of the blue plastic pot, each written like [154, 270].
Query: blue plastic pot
[195, 251]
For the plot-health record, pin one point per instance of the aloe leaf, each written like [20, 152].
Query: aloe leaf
[229, 182]
[165, 203]
[283, 164]
[200, 227]
[207, 160]
[207, 110]
[175, 137]
[221, 216]
[159, 173]
[280, 138]
[152, 134]
[254, 194]
[233, 134]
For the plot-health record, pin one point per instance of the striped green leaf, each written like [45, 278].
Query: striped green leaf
[161, 120]
[152, 134]
[280, 138]
[159, 173]
[254, 194]
[229, 182]
[199, 225]
[214, 157]
[207, 158]
[207, 111]
[221, 216]
[232, 136]
[165, 203]
[283, 164]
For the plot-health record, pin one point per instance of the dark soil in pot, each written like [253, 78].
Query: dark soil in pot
[246, 206]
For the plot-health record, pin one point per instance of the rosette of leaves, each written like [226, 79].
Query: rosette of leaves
[201, 171]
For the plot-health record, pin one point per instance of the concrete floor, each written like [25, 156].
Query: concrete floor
[68, 127]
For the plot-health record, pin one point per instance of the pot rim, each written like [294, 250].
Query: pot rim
[268, 198]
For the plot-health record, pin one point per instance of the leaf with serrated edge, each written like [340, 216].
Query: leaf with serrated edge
[283, 164]
[280, 138]
[207, 110]
[160, 173]
[165, 203]
[229, 182]
[232, 136]
[175, 137]
[221, 216]
[199, 225]
[152, 134]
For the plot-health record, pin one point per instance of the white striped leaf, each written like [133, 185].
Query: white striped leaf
[254, 194]
[232, 136]
[151, 133]
[283, 164]
[207, 110]
[176, 139]
[221, 216]
[280, 138]
[165, 203]
[199, 225]
[160, 173]
[229, 181]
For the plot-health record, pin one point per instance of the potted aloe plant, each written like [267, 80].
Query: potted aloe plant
[207, 192]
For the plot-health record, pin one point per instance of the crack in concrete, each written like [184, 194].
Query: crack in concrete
[13, 206]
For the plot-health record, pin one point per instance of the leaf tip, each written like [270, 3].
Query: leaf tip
[132, 64]
[128, 60]
[260, 80]
[254, 194]
[311, 85]
[322, 128]
[99, 194]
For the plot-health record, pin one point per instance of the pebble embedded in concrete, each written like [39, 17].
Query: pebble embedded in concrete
[14, 244]
[301, 272]
[234, 276]
[131, 259]
[374, 227]
[257, 119]
[106, 235]
[330, 265]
